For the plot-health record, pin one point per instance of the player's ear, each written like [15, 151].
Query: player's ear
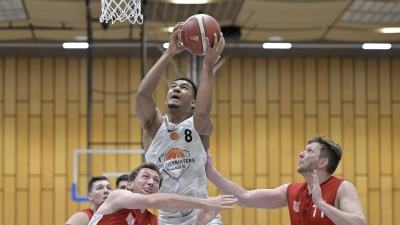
[90, 196]
[193, 104]
[323, 162]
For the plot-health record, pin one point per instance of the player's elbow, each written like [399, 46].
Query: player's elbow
[244, 200]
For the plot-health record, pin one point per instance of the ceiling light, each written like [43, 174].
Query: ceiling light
[277, 45]
[189, 1]
[75, 45]
[166, 45]
[377, 46]
[389, 30]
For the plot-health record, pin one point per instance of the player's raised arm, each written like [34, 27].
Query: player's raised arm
[259, 198]
[201, 116]
[145, 104]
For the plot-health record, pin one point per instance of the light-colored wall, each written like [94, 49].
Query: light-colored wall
[264, 111]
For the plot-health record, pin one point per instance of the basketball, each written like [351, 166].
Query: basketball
[195, 30]
[173, 136]
[175, 153]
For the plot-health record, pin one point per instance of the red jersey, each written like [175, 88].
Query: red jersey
[125, 217]
[89, 212]
[302, 209]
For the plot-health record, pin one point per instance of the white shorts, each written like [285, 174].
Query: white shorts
[190, 220]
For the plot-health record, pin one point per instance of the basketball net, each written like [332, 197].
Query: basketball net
[121, 10]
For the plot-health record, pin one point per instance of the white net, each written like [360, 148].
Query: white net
[121, 10]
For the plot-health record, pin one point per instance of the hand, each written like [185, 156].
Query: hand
[213, 53]
[316, 190]
[175, 45]
[220, 202]
[205, 216]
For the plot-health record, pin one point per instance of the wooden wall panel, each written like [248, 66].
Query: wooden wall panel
[261, 83]
[361, 148]
[261, 146]
[22, 145]
[335, 94]
[22, 215]
[311, 87]
[384, 87]
[396, 206]
[236, 92]
[47, 151]
[396, 145]
[373, 144]
[249, 151]
[35, 145]
[33, 200]
[373, 212]
[35, 88]
[264, 111]
[347, 72]
[298, 80]
[360, 87]
[10, 197]
[386, 199]
[285, 89]
[273, 80]
[395, 80]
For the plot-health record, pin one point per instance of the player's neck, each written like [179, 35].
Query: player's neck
[177, 117]
[94, 207]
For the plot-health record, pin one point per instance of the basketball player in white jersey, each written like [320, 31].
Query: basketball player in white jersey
[176, 142]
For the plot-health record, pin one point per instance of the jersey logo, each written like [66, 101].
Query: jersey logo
[296, 206]
[315, 211]
[130, 220]
[175, 162]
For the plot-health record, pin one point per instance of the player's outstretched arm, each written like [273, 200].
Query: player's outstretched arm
[259, 198]
[79, 218]
[201, 116]
[125, 199]
[350, 209]
[145, 104]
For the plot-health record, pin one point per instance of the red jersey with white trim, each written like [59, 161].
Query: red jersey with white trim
[302, 209]
[89, 212]
[125, 217]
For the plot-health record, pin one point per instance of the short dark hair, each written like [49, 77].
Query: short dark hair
[123, 177]
[148, 165]
[94, 179]
[191, 82]
[329, 150]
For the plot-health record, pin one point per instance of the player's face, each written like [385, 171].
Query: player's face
[100, 191]
[146, 182]
[180, 94]
[309, 158]
[122, 184]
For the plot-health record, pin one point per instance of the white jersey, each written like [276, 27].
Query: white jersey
[178, 151]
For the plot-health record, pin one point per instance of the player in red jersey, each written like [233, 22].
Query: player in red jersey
[98, 189]
[322, 200]
[130, 206]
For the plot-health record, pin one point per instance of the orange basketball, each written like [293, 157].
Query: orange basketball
[175, 153]
[196, 29]
[173, 136]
